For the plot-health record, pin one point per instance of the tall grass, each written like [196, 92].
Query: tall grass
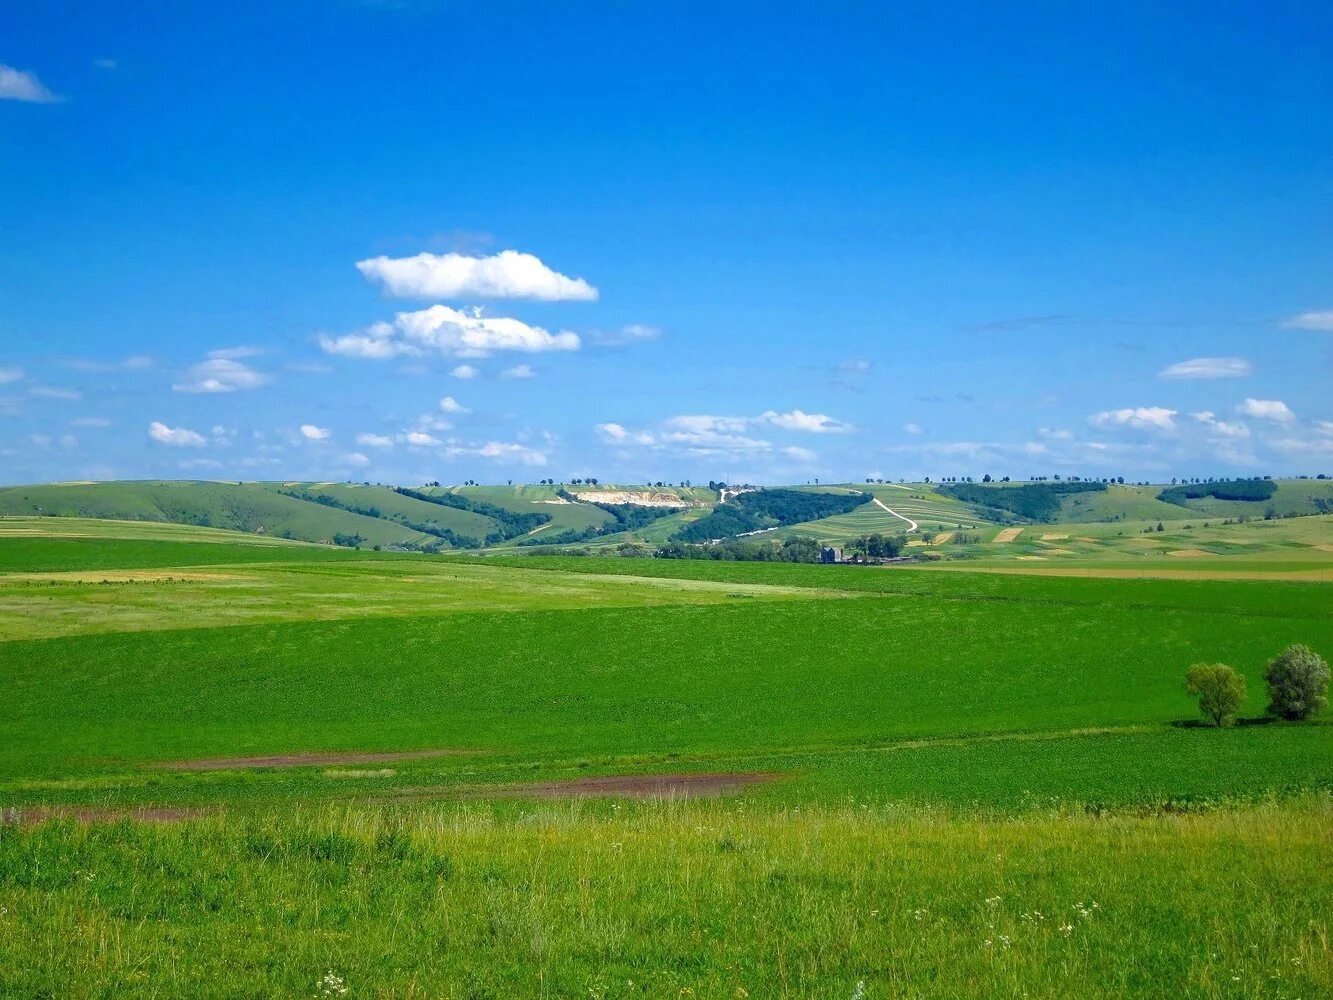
[673, 900]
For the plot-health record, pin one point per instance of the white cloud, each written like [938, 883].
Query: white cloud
[450, 332]
[1055, 433]
[374, 440]
[312, 433]
[450, 405]
[809, 423]
[222, 372]
[8, 375]
[912, 428]
[52, 392]
[177, 437]
[800, 454]
[420, 439]
[856, 366]
[1317, 320]
[633, 333]
[506, 452]
[1139, 417]
[354, 458]
[519, 371]
[1324, 426]
[20, 85]
[1266, 409]
[505, 275]
[1208, 368]
[616, 434]
[465, 371]
[1222, 427]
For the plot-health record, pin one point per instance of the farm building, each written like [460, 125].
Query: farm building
[830, 554]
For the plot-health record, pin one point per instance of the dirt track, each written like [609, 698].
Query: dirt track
[302, 760]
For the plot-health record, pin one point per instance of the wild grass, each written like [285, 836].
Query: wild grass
[726, 900]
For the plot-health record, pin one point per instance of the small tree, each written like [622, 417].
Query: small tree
[1220, 690]
[1297, 683]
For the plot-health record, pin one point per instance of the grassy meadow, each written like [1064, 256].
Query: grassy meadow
[251, 768]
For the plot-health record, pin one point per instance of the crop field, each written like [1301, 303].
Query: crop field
[241, 768]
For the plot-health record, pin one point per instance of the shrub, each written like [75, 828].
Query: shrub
[1220, 689]
[1297, 683]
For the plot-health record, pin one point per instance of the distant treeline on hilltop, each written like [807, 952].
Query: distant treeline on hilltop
[1035, 501]
[1235, 489]
[762, 509]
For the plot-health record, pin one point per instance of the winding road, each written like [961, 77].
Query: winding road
[880, 504]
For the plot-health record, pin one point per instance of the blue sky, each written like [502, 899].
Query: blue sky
[407, 241]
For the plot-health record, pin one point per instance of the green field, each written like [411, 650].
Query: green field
[926, 778]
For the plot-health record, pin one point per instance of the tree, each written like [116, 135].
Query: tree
[1220, 690]
[1297, 683]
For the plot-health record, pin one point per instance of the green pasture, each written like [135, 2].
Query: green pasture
[964, 784]
[708, 900]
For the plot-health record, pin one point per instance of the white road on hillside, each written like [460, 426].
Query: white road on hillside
[880, 504]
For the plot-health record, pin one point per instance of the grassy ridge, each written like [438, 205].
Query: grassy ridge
[247, 507]
[704, 900]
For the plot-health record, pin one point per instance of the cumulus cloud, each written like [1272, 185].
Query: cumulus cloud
[465, 371]
[450, 332]
[8, 375]
[354, 458]
[519, 371]
[222, 371]
[810, 423]
[450, 405]
[505, 275]
[312, 433]
[800, 454]
[176, 437]
[1223, 427]
[911, 427]
[1139, 417]
[21, 85]
[1208, 368]
[508, 452]
[617, 434]
[706, 434]
[374, 440]
[1317, 320]
[420, 439]
[1266, 409]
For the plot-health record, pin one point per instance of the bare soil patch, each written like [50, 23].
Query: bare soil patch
[1189, 553]
[638, 498]
[1053, 537]
[1008, 534]
[311, 759]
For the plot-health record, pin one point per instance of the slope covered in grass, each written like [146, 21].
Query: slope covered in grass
[248, 507]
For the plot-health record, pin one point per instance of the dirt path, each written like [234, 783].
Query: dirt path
[911, 525]
[304, 760]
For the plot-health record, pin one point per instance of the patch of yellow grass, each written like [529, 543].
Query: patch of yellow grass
[1008, 534]
[1189, 553]
[1032, 558]
[1053, 538]
[121, 576]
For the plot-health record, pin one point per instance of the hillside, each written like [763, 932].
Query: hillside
[995, 521]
